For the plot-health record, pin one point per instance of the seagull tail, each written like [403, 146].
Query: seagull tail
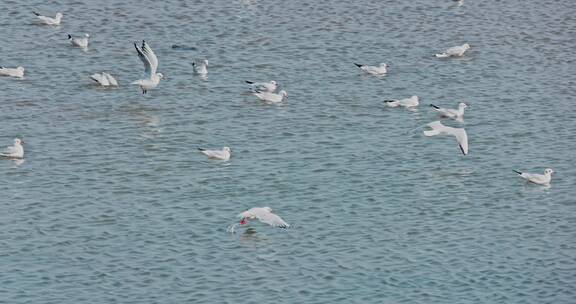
[69, 37]
[517, 172]
[358, 65]
[35, 13]
[201, 149]
[249, 82]
[392, 103]
[443, 55]
[434, 106]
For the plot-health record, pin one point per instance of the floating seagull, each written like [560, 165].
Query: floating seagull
[17, 72]
[49, 20]
[201, 67]
[150, 61]
[223, 154]
[456, 51]
[374, 70]
[271, 97]
[457, 114]
[79, 42]
[263, 86]
[439, 129]
[104, 79]
[264, 215]
[411, 102]
[16, 151]
[538, 178]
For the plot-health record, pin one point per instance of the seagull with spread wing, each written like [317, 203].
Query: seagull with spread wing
[439, 129]
[150, 61]
[264, 215]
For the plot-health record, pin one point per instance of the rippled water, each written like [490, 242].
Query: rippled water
[114, 204]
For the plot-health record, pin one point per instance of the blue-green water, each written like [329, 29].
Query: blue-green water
[114, 204]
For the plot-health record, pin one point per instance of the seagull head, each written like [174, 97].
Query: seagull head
[244, 217]
[59, 15]
[548, 171]
[273, 82]
[18, 141]
[466, 46]
[206, 62]
[384, 65]
[160, 75]
[20, 68]
[227, 149]
[462, 105]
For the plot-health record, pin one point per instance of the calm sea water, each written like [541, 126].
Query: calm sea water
[114, 204]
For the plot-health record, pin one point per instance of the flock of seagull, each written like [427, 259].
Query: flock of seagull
[265, 91]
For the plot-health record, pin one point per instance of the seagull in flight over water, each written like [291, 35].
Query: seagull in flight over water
[264, 215]
[439, 129]
[150, 62]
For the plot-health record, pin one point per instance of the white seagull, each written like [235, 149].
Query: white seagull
[79, 42]
[264, 215]
[411, 102]
[150, 61]
[263, 86]
[439, 129]
[374, 70]
[49, 20]
[456, 51]
[223, 154]
[17, 72]
[457, 114]
[104, 79]
[540, 179]
[201, 67]
[16, 151]
[271, 97]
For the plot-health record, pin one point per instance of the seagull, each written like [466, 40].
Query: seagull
[150, 61]
[79, 42]
[16, 151]
[439, 129]
[271, 97]
[456, 51]
[201, 67]
[49, 20]
[411, 102]
[223, 154]
[264, 215]
[538, 178]
[104, 79]
[17, 72]
[263, 86]
[374, 70]
[452, 113]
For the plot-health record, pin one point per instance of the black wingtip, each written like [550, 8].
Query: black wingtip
[249, 82]
[201, 149]
[35, 13]
[434, 106]
[462, 149]
[69, 36]
[517, 172]
[388, 100]
[358, 65]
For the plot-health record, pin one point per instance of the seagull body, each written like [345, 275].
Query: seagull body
[411, 102]
[150, 61]
[264, 215]
[541, 179]
[223, 154]
[79, 42]
[439, 129]
[457, 114]
[271, 97]
[104, 79]
[16, 151]
[263, 86]
[49, 20]
[201, 67]
[456, 51]
[17, 72]
[374, 70]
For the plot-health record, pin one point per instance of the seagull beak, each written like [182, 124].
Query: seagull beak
[244, 221]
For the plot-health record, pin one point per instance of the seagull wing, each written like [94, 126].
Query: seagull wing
[111, 79]
[150, 56]
[100, 78]
[462, 139]
[267, 217]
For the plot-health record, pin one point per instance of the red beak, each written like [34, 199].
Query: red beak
[243, 221]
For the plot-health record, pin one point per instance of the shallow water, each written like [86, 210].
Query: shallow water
[114, 204]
